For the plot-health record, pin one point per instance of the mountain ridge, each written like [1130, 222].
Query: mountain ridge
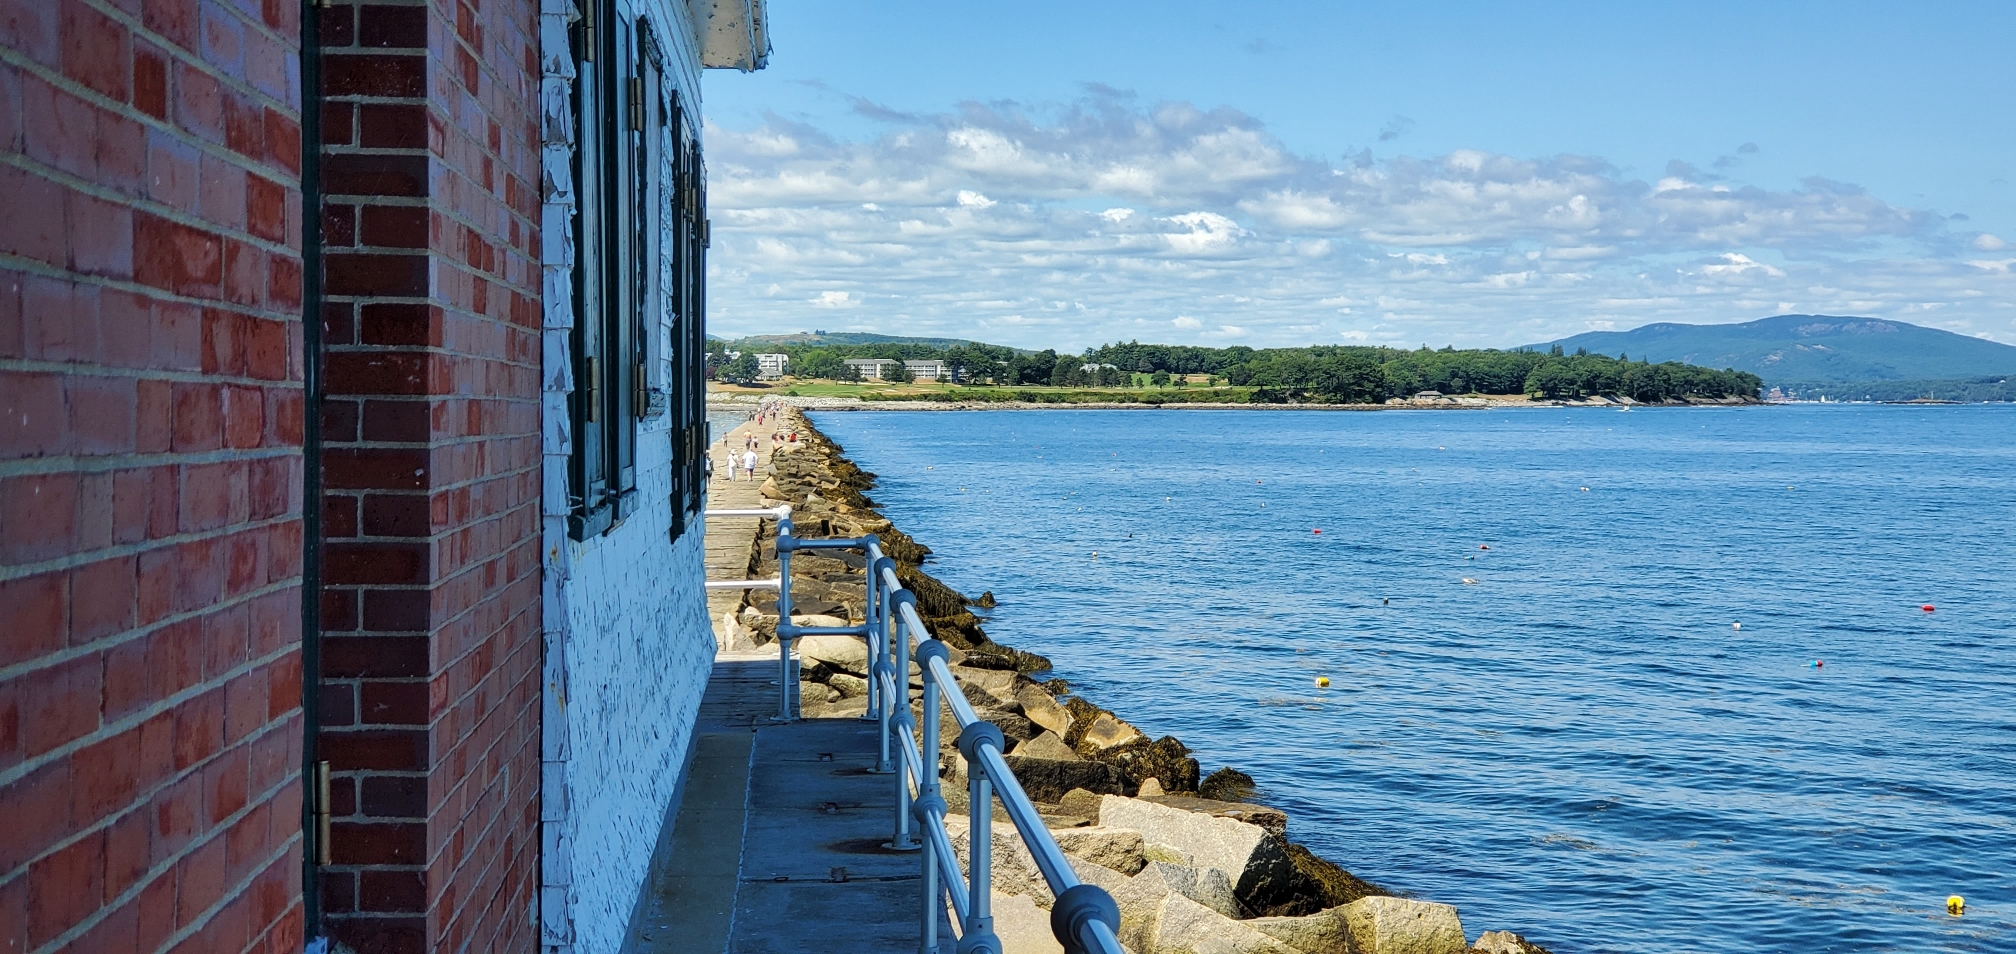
[1809, 348]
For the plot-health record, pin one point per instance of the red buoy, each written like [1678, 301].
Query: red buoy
[1927, 607]
[1484, 546]
[1317, 530]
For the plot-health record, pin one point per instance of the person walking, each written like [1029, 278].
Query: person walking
[749, 463]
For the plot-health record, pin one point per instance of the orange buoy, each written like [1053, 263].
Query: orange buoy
[1927, 607]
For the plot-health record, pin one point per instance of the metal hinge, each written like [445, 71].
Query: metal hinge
[636, 104]
[588, 30]
[643, 405]
[319, 792]
[593, 397]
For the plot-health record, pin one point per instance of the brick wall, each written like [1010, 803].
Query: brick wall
[150, 465]
[431, 423]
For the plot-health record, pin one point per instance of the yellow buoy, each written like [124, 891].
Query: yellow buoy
[1322, 682]
[1956, 905]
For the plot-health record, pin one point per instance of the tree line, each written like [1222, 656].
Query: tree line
[1337, 374]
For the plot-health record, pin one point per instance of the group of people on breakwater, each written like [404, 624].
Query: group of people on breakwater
[741, 464]
[1194, 864]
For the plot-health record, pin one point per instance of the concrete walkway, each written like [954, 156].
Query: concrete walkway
[777, 847]
[729, 538]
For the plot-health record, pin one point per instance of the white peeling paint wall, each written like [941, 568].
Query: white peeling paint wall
[628, 647]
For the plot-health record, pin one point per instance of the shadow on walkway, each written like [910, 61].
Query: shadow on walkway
[777, 847]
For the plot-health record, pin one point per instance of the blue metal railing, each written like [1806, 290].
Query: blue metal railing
[1083, 917]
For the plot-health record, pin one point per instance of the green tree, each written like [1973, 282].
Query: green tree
[742, 370]
[1068, 372]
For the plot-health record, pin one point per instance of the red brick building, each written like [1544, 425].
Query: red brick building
[212, 509]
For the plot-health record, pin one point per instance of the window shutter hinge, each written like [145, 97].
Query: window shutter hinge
[637, 104]
[592, 399]
[319, 792]
[642, 406]
[588, 31]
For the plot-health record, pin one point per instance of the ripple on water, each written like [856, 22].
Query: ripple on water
[1580, 748]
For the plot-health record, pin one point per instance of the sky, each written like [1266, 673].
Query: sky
[1062, 175]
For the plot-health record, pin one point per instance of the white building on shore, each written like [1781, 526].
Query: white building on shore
[872, 369]
[929, 370]
[770, 367]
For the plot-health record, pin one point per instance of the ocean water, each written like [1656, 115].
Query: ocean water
[1580, 746]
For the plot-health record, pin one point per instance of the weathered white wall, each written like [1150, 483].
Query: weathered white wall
[628, 647]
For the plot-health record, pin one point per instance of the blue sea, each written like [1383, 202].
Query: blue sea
[1581, 745]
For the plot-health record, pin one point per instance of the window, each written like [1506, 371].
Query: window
[619, 126]
[640, 239]
[686, 212]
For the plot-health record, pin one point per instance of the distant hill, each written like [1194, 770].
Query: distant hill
[1809, 349]
[814, 338]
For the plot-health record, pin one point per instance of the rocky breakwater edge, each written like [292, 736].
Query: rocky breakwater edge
[1196, 866]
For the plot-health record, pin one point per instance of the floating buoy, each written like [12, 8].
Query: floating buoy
[1817, 663]
[1386, 602]
[1735, 625]
[1317, 530]
[1585, 490]
[1956, 905]
[1469, 582]
[1322, 682]
[1095, 553]
[1484, 546]
[1927, 607]
[1259, 481]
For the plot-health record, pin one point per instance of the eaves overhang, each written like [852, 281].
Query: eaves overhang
[733, 34]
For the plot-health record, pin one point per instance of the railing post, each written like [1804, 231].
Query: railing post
[930, 810]
[885, 612]
[933, 649]
[979, 933]
[897, 600]
[786, 679]
[870, 617]
[927, 788]
[885, 714]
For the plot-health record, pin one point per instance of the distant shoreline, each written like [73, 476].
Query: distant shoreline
[751, 400]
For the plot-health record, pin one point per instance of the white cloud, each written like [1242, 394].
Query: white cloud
[1131, 213]
[1187, 323]
[1739, 264]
